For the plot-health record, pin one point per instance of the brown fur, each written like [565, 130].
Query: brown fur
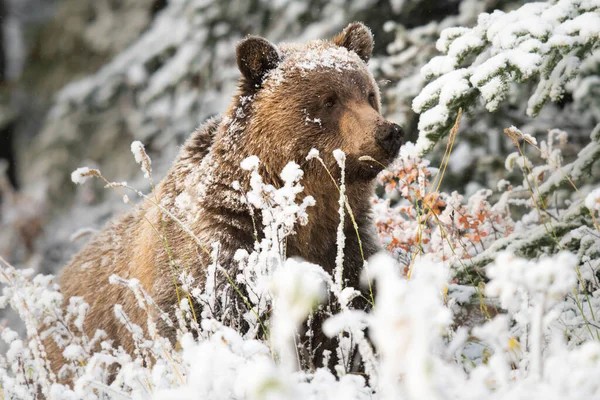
[273, 117]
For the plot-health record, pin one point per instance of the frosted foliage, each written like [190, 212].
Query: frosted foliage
[418, 354]
[510, 275]
[297, 288]
[542, 41]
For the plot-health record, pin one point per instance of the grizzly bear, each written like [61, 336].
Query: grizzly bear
[291, 98]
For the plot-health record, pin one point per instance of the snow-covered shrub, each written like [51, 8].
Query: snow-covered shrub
[416, 218]
[420, 354]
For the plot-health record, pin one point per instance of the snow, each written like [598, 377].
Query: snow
[453, 89]
[432, 91]
[592, 200]
[73, 352]
[555, 277]
[464, 44]
[309, 57]
[16, 51]
[439, 65]
[340, 157]
[173, 71]
[291, 173]
[9, 336]
[586, 25]
[493, 92]
[250, 163]
[575, 170]
[409, 323]
[337, 58]
[296, 287]
[462, 157]
[430, 118]
[83, 174]
[526, 63]
[525, 136]
[313, 153]
[448, 36]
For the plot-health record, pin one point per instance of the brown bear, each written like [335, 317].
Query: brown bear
[291, 98]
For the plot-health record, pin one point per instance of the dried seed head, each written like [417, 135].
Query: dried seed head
[81, 175]
[141, 157]
[515, 134]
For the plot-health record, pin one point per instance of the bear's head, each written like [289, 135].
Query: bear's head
[315, 95]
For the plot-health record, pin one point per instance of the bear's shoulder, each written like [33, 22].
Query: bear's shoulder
[199, 143]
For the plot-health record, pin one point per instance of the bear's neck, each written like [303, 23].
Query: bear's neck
[317, 240]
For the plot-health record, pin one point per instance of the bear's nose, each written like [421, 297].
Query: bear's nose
[390, 138]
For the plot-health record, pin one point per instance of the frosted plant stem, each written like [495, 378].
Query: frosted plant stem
[296, 352]
[446, 158]
[567, 177]
[537, 371]
[354, 224]
[341, 240]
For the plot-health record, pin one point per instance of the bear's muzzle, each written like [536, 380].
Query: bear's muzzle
[390, 137]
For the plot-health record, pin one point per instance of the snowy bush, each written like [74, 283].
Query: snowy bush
[421, 354]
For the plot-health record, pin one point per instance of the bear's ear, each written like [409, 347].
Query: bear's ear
[357, 38]
[255, 57]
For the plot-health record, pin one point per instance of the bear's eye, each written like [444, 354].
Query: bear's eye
[372, 100]
[329, 102]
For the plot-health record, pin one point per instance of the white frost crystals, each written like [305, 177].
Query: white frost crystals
[317, 55]
[419, 356]
[280, 211]
[539, 340]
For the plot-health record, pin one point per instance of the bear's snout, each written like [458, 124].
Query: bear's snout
[390, 137]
